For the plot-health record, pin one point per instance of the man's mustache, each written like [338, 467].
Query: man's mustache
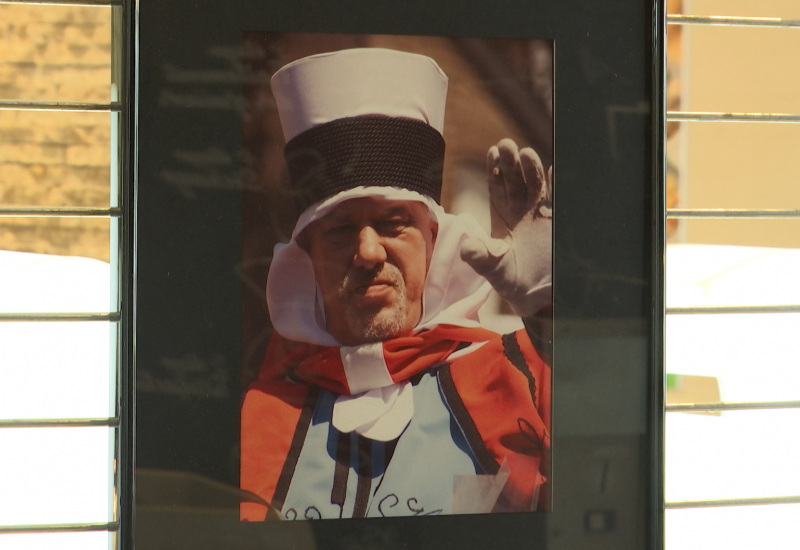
[357, 278]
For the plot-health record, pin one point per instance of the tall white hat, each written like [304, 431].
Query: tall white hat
[362, 117]
[364, 81]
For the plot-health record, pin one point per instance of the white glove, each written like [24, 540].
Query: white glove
[517, 260]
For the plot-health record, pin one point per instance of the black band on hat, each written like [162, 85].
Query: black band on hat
[365, 150]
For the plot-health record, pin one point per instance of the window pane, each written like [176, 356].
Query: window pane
[731, 349]
[773, 527]
[88, 237]
[733, 454]
[741, 165]
[733, 69]
[708, 275]
[762, 8]
[716, 354]
[55, 53]
[767, 233]
[42, 283]
[100, 540]
[56, 475]
[57, 370]
[52, 158]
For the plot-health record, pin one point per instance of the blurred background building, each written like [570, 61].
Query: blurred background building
[51, 158]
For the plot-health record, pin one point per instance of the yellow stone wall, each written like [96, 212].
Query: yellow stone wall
[55, 158]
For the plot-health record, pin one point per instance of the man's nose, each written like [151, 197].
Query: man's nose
[369, 248]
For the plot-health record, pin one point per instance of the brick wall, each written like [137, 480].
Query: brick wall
[50, 158]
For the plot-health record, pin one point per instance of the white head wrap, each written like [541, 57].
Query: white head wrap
[453, 292]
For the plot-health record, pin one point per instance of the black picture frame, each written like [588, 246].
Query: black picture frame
[186, 391]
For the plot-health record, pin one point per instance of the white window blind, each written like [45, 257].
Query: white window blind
[65, 273]
[733, 266]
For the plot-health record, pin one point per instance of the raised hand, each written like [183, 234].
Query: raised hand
[517, 260]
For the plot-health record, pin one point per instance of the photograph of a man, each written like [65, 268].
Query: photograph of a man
[382, 392]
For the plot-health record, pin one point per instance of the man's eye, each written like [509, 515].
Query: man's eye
[391, 227]
[341, 230]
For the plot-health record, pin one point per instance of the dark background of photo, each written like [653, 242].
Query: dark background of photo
[191, 280]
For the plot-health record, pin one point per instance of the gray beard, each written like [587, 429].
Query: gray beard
[381, 325]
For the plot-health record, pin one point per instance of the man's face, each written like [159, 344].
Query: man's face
[371, 258]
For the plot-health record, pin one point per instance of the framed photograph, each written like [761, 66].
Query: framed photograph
[396, 276]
